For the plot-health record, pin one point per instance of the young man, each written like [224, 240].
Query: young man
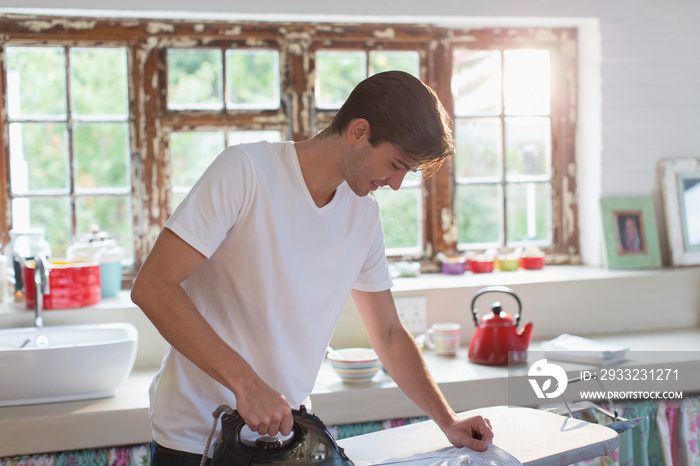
[250, 274]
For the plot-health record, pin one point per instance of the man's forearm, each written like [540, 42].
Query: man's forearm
[407, 367]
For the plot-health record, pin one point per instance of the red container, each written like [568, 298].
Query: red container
[532, 263]
[71, 284]
[481, 265]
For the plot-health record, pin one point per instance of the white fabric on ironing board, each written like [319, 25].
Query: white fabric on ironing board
[452, 456]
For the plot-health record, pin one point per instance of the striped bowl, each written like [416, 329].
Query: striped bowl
[358, 365]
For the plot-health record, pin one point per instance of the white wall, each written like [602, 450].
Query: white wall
[582, 301]
[639, 79]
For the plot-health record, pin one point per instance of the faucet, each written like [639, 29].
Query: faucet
[41, 287]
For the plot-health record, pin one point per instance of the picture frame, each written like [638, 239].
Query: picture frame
[630, 233]
[680, 185]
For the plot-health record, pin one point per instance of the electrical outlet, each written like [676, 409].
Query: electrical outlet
[413, 312]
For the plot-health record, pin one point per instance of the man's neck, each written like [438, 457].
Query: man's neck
[319, 158]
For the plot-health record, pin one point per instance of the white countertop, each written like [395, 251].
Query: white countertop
[123, 419]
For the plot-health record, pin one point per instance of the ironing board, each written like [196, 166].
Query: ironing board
[534, 437]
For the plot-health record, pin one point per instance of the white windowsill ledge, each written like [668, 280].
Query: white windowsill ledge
[424, 282]
[548, 274]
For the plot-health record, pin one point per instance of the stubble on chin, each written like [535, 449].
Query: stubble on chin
[359, 192]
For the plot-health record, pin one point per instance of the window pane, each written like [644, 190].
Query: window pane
[112, 214]
[241, 137]
[101, 155]
[479, 213]
[478, 144]
[526, 80]
[93, 91]
[51, 214]
[528, 146]
[38, 157]
[36, 82]
[529, 212]
[382, 60]
[337, 74]
[401, 216]
[476, 82]
[253, 79]
[191, 152]
[195, 79]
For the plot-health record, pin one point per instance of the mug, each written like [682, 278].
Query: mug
[443, 338]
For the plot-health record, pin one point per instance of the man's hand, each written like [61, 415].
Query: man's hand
[264, 410]
[471, 432]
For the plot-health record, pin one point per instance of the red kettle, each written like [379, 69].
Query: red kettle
[497, 334]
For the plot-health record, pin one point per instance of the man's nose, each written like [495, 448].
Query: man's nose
[395, 181]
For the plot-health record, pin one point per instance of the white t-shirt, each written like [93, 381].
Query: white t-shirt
[279, 272]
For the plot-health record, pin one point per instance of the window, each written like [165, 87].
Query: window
[504, 147]
[196, 79]
[69, 141]
[122, 148]
[513, 101]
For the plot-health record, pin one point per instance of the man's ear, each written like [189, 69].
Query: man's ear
[358, 129]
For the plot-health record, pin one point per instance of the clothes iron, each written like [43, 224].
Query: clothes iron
[310, 443]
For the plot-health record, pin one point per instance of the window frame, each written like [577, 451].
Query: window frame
[151, 121]
[72, 192]
[561, 44]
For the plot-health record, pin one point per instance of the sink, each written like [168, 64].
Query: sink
[64, 362]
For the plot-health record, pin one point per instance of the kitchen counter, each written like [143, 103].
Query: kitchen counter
[123, 419]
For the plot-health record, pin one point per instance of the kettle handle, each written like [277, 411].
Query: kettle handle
[492, 289]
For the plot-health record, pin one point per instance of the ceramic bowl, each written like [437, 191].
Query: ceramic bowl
[358, 365]
[453, 267]
[532, 262]
[481, 264]
[508, 262]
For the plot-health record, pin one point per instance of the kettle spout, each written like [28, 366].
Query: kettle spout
[525, 334]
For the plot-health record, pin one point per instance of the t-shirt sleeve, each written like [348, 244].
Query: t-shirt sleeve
[215, 202]
[374, 275]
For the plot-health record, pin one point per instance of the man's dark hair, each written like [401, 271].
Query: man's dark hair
[403, 111]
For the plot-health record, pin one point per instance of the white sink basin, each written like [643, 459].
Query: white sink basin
[64, 363]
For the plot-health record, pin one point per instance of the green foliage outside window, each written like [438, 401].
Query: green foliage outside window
[40, 152]
[40, 77]
[401, 216]
[195, 78]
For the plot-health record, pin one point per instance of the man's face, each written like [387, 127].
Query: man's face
[367, 168]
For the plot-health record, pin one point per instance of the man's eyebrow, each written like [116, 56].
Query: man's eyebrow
[407, 167]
